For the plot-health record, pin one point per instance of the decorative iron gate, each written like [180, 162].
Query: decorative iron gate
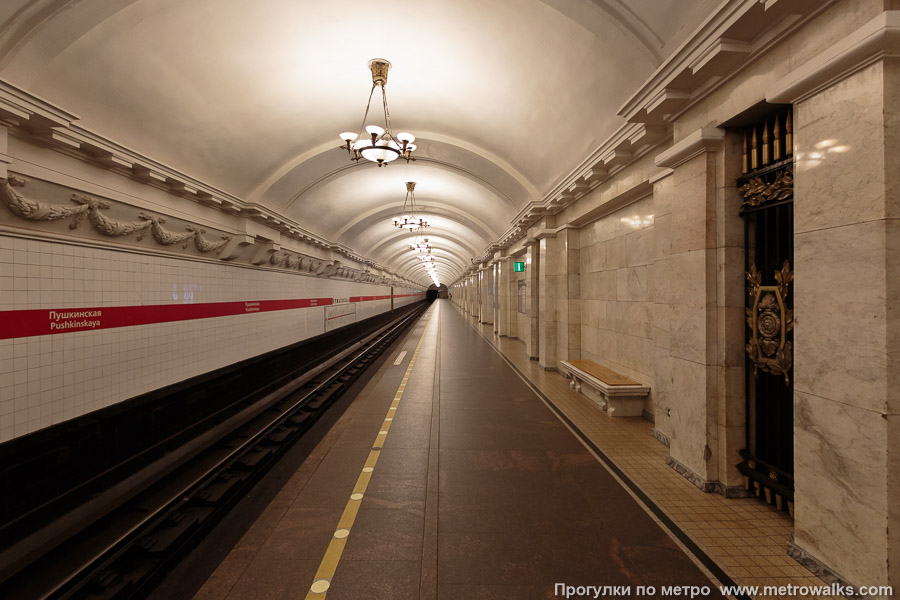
[768, 213]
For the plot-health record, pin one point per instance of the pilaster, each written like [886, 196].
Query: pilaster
[548, 292]
[847, 333]
[691, 401]
[532, 277]
[504, 316]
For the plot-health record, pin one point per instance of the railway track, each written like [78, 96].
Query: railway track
[139, 556]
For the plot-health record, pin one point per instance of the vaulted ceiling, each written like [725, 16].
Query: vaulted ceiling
[506, 97]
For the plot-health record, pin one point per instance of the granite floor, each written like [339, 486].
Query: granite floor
[450, 478]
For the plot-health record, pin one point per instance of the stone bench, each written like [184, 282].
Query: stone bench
[618, 395]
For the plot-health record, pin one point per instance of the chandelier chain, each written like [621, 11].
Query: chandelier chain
[368, 106]
[387, 113]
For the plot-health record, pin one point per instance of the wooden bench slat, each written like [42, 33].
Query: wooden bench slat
[608, 376]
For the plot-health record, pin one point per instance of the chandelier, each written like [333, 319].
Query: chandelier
[422, 247]
[409, 220]
[379, 145]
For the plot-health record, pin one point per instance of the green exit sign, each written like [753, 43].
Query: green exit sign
[518, 267]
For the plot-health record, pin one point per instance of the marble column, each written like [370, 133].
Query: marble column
[691, 406]
[846, 306]
[486, 308]
[663, 188]
[504, 315]
[532, 272]
[568, 294]
[548, 290]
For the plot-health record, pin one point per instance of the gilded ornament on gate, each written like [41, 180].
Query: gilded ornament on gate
[770, 322]
[758, 191]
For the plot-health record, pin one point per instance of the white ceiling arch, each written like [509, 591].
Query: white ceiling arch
[506, 97]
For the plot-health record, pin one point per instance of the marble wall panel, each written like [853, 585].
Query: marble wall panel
[605, 314]
[731, 284]
[590, 313]
[693, 428]
[661, 317]
[731, 323]
[589, 340]
[662, 370]
[729, 224]
[839, 308]
[693, 334]
[893, 492]
[614, 255]
[731, 441]
[839, 138]
[606, 285]
[662, 236]
[651, 282]
[663, 191]
[693, 214]
[548, 345]
[631, 284]
[891, 111]
[730, 389]
[639, 247]
[571, 349]
[574, 311]
[574, 285]
[637, 319]
[691, 279]
[661, 284]
[841, 490]
[648, 357]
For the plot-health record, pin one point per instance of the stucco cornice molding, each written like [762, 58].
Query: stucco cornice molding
[628, 144]
[707, 139]
[31, 117]
[874, 41]
[731, 38]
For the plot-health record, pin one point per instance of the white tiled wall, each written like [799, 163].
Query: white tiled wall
[48, 379]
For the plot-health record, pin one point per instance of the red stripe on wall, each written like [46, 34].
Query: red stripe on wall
[26, 323]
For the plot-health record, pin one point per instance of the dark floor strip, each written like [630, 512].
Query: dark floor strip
[679, 533]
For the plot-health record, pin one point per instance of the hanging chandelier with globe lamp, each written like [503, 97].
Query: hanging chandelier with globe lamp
[379, 145]
[409, 219]
[422, 247]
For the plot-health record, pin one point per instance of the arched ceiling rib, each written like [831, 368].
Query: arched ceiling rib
[505, 96]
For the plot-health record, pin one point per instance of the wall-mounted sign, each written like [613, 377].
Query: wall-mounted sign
[518, 267]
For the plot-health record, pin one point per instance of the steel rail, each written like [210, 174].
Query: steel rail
[97, 571]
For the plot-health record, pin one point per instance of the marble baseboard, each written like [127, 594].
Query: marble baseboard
[707, 487]
[702, 484]
[649, 416]
[814, 565]
[732, 491]
[659, 435]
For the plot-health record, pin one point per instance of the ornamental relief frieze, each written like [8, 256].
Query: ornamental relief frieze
[96, 218]
[92, 210]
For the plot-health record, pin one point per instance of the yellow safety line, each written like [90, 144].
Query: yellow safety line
[329, 564]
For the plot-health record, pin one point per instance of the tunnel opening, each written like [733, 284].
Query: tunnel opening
[436, 291]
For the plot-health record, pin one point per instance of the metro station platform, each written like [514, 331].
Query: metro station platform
[452, 476]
